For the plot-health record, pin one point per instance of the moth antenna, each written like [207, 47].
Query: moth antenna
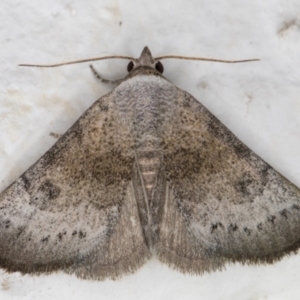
[206, 59]
[78, 61]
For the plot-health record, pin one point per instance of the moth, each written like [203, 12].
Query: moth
[146, 170]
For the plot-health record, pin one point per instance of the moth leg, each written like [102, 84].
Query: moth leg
[106, 81]
[55, 135]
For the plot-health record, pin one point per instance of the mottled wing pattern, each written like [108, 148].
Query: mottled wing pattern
[222, 201]
[75, 209]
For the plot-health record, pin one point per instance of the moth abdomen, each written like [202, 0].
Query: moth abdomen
[149, 163]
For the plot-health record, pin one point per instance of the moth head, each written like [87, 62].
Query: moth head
[145, 59]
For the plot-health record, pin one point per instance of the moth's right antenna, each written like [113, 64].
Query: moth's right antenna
[205, 59]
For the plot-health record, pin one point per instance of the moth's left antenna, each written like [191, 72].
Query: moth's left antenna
[78, 61]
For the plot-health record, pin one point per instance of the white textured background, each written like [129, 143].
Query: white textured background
[259, 102]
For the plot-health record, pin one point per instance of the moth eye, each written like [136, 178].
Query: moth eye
[159, 67]
[130, 66]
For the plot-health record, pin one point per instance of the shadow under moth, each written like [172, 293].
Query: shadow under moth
[146, 170]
